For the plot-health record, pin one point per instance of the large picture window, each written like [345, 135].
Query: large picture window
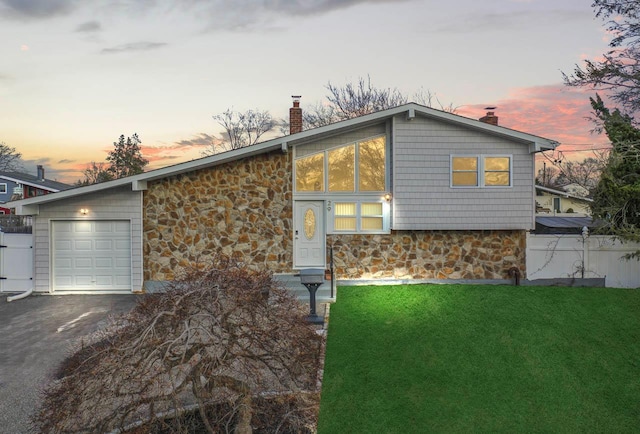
[310, 173]
[480, 171]
[352, 168]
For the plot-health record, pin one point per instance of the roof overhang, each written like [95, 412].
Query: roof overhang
[409, 111]
[30, 183]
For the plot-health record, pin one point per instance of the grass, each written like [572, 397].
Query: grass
[474, 358]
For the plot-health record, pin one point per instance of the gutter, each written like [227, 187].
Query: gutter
[19, 296]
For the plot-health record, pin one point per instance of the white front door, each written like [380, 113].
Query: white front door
[309, 236]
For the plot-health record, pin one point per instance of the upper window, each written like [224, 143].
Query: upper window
[3, 188]
[481, 171]
[356, 167]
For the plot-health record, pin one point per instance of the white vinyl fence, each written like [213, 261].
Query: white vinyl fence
[575, 256]
[16, 262]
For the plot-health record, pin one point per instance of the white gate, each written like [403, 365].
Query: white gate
[16, 262]
[566, 256]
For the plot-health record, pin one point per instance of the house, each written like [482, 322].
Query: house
[553, 201]
[15, 185]
[407, 193]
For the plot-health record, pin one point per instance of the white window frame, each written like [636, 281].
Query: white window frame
[386, 214]
[326, 151]
[481, 170]
[3, 188]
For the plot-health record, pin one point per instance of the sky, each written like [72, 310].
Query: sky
[76, 74]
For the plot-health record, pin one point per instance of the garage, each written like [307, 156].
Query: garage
[91, 256]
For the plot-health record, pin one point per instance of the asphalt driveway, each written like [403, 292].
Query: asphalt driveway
[35, 335]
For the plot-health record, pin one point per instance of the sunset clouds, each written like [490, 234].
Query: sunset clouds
[77, 74]
[553, 111]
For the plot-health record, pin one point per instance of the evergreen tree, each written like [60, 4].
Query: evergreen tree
[616, 198]
[126, 157]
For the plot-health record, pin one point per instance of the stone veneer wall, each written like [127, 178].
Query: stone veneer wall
[429, 255]
[242, 209]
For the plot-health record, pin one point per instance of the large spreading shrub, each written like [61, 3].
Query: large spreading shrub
[225, 349]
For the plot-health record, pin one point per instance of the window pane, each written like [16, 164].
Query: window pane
[309, 223]
[465, 163]
[345, 223]
[496, 178]
[465, 178]
[310, 173]
[346, 209]
[372, 223]
[371, 209]
[342, 169]
[496, 163]
[371, 165]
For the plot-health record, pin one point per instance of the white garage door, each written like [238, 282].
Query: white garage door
[91, 255]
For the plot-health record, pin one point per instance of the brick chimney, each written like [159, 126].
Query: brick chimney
[295, 116]
[490, 117]
[40, 172]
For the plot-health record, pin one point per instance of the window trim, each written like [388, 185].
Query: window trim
[3, 184]
[481, 172]
[386, 214]
[325, 191]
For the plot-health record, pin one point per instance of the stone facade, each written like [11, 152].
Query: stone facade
[242, 209]
[429, 254]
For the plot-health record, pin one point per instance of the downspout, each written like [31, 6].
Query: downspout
[20, 296]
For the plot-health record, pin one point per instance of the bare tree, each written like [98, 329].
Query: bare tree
[428, 98]
[94, 174]
[10, 159]
[563, 171]
[241, 129]
[351, 101]
[218, 342]
[354, 100]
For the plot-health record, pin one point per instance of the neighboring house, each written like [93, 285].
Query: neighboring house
[552, 201]
[406, 193]
[15, 185]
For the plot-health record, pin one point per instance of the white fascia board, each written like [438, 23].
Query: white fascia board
[27, 209]
[563, 193]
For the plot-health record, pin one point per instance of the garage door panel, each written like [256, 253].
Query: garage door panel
[104, 245]
[65, 263]
[82, 227]
[64, 245]
[102, 227]
[83, 280]
[104, 262]
[82, 245]
[91, 255]
[83, 263]
[106, 280]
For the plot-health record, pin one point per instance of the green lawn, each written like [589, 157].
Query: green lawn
[474, 358]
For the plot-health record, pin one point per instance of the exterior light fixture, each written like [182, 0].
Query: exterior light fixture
[387, 197]
[84, 211]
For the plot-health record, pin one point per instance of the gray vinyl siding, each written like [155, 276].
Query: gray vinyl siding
[422, 195]
[115, 204]
[340, 140]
